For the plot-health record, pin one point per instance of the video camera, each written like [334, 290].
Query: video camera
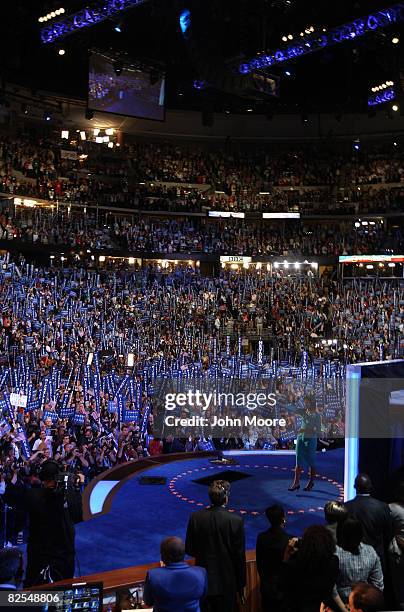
[66, 480]
[50, 470]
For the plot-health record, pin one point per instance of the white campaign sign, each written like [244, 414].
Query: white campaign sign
[18, 400]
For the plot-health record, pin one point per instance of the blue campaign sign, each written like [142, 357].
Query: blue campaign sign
[112, 408]
[50, 414]
[67, 413]
[131, 415]
[78, 419]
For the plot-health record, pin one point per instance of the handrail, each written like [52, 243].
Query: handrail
[120, 580]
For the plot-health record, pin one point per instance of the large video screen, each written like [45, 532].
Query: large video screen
[132, 92]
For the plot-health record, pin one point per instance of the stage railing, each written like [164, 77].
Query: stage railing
[118, 582]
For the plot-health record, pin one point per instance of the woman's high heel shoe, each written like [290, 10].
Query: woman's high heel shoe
[309, 486]
[294, 487]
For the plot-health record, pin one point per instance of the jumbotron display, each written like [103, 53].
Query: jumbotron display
[128, 91]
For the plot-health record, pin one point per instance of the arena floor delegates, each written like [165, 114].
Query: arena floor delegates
[66, 335]
[86, 350]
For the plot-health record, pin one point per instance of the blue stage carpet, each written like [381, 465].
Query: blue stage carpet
[142, 515]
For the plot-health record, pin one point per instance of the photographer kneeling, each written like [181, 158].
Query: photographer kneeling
[53, 509]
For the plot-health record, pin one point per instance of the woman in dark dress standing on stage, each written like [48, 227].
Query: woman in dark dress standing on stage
[306, 444]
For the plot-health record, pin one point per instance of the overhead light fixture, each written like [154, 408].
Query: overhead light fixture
[96, 131]
[394, 108]
[118, 28]
[395, 40]
[61, 52]
[118, 67]
[83, 135]
[109, 131]
[110, 145]
[65, 134]
[99, 139]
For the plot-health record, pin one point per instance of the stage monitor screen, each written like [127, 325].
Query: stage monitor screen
[122, 90]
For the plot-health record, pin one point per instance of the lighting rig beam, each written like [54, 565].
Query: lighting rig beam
[85, 18]
[318, 41]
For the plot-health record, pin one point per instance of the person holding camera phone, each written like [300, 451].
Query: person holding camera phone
[53, 510]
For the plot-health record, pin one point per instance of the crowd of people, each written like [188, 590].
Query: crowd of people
[140, 175]
[354, 561]
[44, 226]
[84, 348]
[179, 324]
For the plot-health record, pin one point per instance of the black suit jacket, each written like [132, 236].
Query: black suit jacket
[215, 537]
[270, 547]
[376, 520]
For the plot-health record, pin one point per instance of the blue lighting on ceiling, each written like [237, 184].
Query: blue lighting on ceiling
[386, 95]
[200, 84]
[314, 42]
[85, 18]
[185, 20]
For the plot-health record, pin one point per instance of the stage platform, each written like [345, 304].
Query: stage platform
[140, 516]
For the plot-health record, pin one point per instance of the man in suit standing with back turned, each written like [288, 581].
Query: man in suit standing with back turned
[215, 537]
[374, 515]
[377, 524]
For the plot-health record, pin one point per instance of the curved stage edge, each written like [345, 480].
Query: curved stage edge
[125, 519]
[98, 495]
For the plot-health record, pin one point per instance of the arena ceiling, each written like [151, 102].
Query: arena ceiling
[336, 79]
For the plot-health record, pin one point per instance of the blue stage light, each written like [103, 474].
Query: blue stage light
[314, 42]
[85, 18]
[386, 95]
[118, 29]
[185, 20]
[200, 84]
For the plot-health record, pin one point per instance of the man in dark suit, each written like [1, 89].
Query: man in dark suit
[177, 586]
[374, 515]
[215, 537]
[271, 545]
